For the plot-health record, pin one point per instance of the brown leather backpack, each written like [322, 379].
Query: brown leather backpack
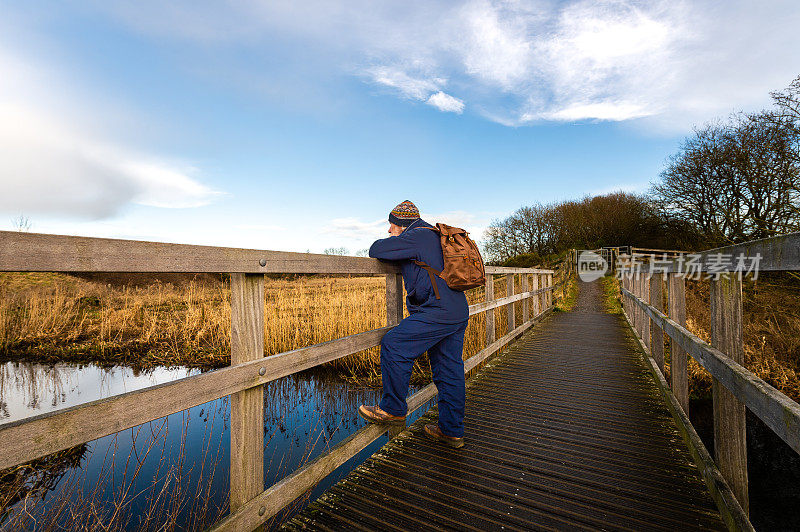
[463, 265]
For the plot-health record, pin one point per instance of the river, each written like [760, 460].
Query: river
[171, 470]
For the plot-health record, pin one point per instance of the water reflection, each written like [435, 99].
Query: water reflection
[171, 473]
[28, 389]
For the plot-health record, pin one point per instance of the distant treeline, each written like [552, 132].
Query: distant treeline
[731, 181]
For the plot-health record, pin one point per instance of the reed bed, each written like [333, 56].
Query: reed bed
[771, 330]
[51, 317]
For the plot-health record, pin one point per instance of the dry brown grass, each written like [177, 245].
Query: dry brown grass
[771, 332]
[771, 322]
[51, 317]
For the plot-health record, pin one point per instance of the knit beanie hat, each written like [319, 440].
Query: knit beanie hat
[404, 214]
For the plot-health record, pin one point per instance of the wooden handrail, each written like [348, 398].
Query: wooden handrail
[30, 438]
[775, 409]
[777, 253]
[21, 441]
[29, 252]
[734, 388]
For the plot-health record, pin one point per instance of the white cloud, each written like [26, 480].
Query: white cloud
[669, 62]
[426, 89]
[613, 111]
[416, 88]
[52, 164]
[495, 46]
[354, 233]
[445, 102]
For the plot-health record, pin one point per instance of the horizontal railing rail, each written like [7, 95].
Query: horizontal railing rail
[778, 253]
[734, 387]
[36, 252]
[775, 409]
[30, 438]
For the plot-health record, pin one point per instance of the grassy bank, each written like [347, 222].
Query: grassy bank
[771, 329]
[51, 317]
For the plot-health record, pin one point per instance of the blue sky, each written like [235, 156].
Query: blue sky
[299, 125]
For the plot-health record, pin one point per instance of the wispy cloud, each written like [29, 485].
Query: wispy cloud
[52, 164]
[672, 62]
[445, 102]
[422, 88]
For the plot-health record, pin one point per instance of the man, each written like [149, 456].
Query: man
[435, 325]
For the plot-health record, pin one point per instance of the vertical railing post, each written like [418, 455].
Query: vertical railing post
[637, 310]
[634, 308]
[394, 314]
[490, 333]
[623, 281]
[394, 298]
[510, 315]
[730, 431]
[676, 294]
[656, 334]
[525, 287]
[535, 297]
[645, 318]
[247, 406]
[549, 292]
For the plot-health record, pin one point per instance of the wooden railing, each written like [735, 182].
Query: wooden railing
[734, 387]
[251, 505]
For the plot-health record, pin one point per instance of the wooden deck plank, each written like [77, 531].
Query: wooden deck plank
[566, 431]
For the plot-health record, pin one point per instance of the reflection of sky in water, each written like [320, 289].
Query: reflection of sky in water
[30, 389]
[304, 417]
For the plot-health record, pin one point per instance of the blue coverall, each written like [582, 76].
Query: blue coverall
[434, 325]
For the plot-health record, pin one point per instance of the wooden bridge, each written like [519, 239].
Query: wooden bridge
[572, 426]
[565, 430]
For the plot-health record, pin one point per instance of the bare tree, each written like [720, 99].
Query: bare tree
[787, 101]
[737, 180]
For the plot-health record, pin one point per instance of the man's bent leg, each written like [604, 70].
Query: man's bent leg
[399, 348]
[447, 365]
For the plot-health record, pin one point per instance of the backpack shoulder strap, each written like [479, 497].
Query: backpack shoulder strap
[432, 273]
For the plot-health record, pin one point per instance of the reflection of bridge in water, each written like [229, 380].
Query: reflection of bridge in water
[570, 427]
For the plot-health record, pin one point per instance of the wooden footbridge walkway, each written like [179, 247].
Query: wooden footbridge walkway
[565, 430]
[572, 426]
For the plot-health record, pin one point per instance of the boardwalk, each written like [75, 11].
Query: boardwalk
[565, 430]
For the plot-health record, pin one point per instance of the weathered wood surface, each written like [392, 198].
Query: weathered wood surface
[247, 406]
[503, 270]
[494, 303]
[394, 298]
[25, 252]
[732, 513]
[559, 435]
[730, 429]
[510, 311]
[489, 301]
[777, 411]
[778, 253]
[645, 287]
[524, 288]
[676, 288]
[656, 335]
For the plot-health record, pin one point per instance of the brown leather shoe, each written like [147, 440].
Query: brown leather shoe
[435, 433]
[374, 414]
